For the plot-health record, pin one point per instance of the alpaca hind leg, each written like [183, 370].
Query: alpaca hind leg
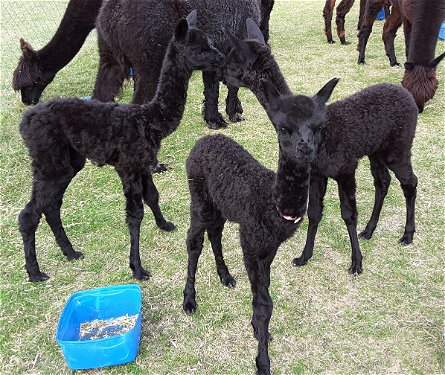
[382, 179]
[342, 10]
[361, 14]
[328, 11]
[145, 82]
[132, 186]
[390, 28]
[151, 198]
[317, 191]
[371, 10]
[214, 233]
[408, 182]
[195, 240]
[233, 105]
[110, 76]
[212, 117]
[266, 9]
[346, 190]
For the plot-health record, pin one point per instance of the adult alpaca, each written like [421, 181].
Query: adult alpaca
[378, 122]
[136, 33]
[227, 183]
[37, 69]
[421, 23]
[62, 133]
[390, 28]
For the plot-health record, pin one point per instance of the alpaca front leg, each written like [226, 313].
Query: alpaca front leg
[390, 28]
[346, 190]
[328, 11]
[342, 9]
[151, 197]
[195, 240]
[233, 105]
[369, 16]
[212, 117]
[317, 191]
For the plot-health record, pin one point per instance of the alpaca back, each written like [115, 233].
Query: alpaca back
[380, 117]
[237, 184]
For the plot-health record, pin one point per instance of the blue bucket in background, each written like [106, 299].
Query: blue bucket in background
[380, 15]
[442, 32]
[102, 303]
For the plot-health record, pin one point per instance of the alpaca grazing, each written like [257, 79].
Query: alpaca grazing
[421, 23]
[37, 69]
[378, 122]
[390, 28]
[227, 183]
[136, 32]
[62, 133]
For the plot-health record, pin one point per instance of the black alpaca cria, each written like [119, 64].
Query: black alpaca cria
[62, 133]
[378, 122]
[136, 33]
[227, 183]
[390, 28]
[421, 23]
[37, 69]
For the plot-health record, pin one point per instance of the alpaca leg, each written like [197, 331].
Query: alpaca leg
[382, 179]
[371, 10]
[390, 28]
[151, 198]
[215, 234]
[195, 239]
[145, 82]
[361, 14]
[342, 10]
[259, 277]
[266, 9]
[132, 186]
[317, 191]
[212, 117]
[346, 190]
[328, 11]
[110, 76]
[407, 33]
[233, 105]
[408, 182]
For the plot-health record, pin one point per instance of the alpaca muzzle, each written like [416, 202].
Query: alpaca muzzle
[295, 219]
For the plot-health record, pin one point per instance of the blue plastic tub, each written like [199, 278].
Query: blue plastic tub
[104, 304]
[442, 32]
[381, 15]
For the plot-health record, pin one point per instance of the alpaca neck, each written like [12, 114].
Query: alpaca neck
[75, 26]
[171, 94]
[291, 187]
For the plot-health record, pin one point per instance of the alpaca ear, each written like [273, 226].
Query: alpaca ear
[27, 50]
[409, 65]
[191, 18]
[181, 31]
[324, 94]
[437, 60]
[254, 32]
[271, 94]
[240, 46]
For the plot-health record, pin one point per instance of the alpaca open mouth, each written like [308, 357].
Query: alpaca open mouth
[295, 219]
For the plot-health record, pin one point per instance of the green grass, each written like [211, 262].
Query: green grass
[387, 320]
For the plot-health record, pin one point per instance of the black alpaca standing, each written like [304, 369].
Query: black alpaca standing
[421, 23]
[227, 183]
[136, 33]
[37, 69]
[62, 133]
[378, 122]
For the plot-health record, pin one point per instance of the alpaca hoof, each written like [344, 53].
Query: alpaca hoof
[167, 226]
[228, 281]
[406, 239]
[41, 276]
[355, 269]
[365, 235]
[331, 41]
[189, 306]
[141, 274]
[345, 42]
[299, 261]
[216, 125]
[75, 255]
[160, 168]
[361, 61]
[236, 117]
[396, 64]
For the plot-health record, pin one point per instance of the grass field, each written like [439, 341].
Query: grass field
[387, 320]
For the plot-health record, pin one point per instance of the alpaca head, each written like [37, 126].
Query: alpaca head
[28, 76]
[196, 48]
[298, 120]
[421, 81]
[250, 60]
